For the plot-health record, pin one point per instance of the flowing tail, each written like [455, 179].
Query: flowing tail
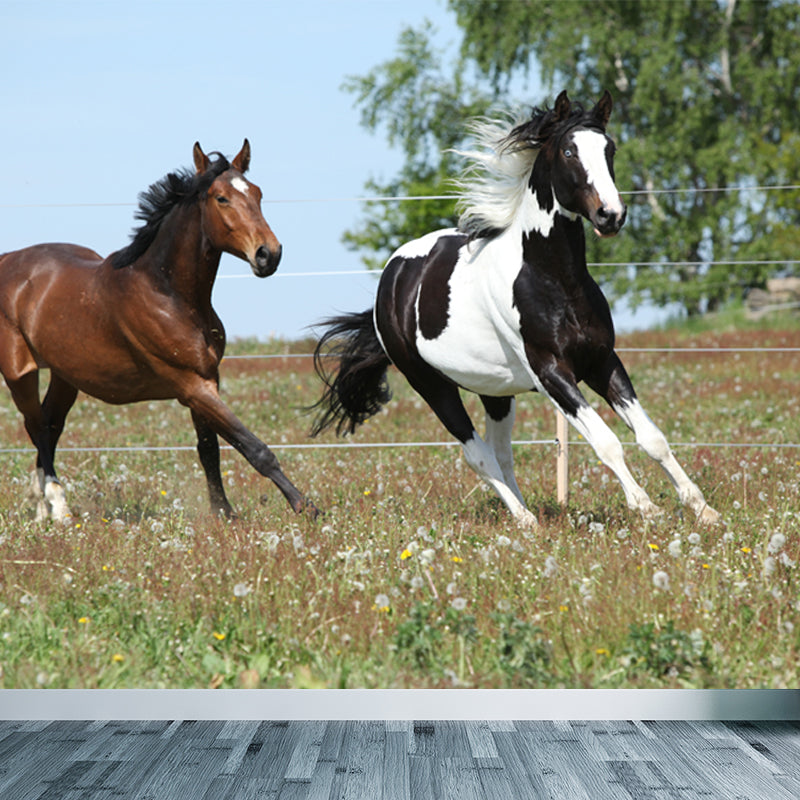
[357, 387]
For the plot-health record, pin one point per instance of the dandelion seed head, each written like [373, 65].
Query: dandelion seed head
[458, 603]
[776, 543]
[241, 590]
[550, 567]
[661, 580]
[382, 601]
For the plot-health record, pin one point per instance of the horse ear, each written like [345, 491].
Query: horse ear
[602, 111]
[563, 106]
[201, 160]
[242, 161]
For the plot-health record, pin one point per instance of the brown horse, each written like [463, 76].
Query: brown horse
[139, 325]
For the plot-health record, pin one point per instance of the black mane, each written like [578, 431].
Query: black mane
[545, 126]
[181, 187]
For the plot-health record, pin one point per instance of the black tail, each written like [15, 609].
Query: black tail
[357, 388]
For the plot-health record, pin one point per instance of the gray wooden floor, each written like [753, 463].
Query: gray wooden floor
[245, 760]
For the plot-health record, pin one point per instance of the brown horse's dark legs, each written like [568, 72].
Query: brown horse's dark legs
[208, 451]
[58, 401]
[206, 406]
[25, 393]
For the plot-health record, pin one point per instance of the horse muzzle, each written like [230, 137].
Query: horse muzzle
[266, 261]
[607, 221]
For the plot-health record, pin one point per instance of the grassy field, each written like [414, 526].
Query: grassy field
[416, 577]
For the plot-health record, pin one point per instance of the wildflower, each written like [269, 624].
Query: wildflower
[694, 538]
[241, 590]
[503, 541]
[601, 651]
[382, 602]
[416, 582]
[747, 550]
[776, 543]
[458, 603]
[653, 547]
[769, 566]
[367, 492]
[405, 554]
[83, 621]
[117, 658]
[661, 580]
[550, 567]
[218, 636]
[427, 556]
[457, 559]
[675, 548]
[596, 527]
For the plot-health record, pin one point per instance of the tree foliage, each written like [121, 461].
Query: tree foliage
[707, 106]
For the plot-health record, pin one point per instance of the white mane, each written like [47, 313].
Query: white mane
[494, 181]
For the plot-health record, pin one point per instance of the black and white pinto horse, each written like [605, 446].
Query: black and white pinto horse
[504, 304]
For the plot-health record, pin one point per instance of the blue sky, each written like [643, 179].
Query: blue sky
[101, 99]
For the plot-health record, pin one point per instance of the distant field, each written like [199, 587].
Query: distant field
[416, 576]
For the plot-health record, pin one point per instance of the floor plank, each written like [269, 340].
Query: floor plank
[399, 760]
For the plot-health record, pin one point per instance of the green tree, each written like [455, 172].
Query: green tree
[707, 107]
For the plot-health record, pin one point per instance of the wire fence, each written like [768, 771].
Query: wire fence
[561, 440]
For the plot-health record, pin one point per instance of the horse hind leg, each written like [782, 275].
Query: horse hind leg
[44, 423]
[500, 413]
[444, 399]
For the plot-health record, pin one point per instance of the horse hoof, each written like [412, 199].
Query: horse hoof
[651, 511]
[708, 516]
[526, 520]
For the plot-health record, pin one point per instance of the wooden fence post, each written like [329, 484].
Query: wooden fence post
[562, 462]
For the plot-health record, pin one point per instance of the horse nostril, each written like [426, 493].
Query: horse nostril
[604, 214]
[267, 260]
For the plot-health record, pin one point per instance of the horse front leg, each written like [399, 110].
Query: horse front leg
[208, 452]
[618, 391]
[561, 387]
[206, 405]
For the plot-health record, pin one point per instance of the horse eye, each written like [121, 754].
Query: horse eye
[222, 200]
[568, 153]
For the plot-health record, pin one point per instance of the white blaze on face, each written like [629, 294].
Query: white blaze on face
[240, 184]
[591, 148]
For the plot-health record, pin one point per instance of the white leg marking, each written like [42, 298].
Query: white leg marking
[498, 437]
[482, 459]
[609, 450]
[654, 443]
[56, 500]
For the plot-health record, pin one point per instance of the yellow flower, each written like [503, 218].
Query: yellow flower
[83, 620]
[746, 550]
[218, 636]
[653, 547]
[163, 492]
[601, 651]
[457, 559]
[367, 492]
[405, 554]
[705, 566]
[563, 608]
[117, 658]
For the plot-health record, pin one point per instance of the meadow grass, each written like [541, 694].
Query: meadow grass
[416, 576]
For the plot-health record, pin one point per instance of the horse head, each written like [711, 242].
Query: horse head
[232, 217]
[581, 161]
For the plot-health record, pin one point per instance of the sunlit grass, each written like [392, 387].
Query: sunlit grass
[416, 576]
